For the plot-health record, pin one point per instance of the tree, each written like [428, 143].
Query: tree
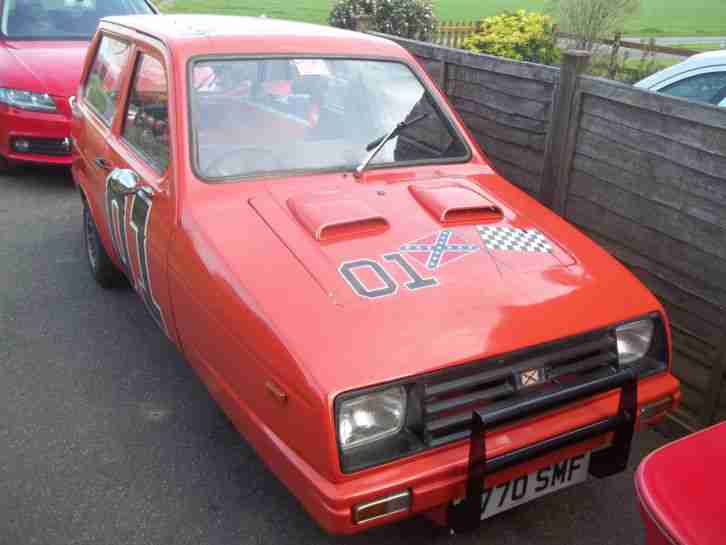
[407, 18]
[592, 20]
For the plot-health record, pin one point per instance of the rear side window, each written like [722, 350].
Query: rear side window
[104, 80]
[703, 87]
[146, 127]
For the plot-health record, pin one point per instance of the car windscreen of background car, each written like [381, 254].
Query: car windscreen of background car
[62, 19]
[255, 117]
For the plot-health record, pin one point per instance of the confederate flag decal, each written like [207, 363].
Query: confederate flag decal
[438, 249]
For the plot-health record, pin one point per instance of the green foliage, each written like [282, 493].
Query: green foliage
[590, 21]
[407, 18]
[520, 35]
[657, 18]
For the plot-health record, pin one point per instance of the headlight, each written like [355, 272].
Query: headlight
[371, 417]
[634, 340]
[26, 100]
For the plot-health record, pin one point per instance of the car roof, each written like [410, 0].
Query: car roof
[696, 62]
[210, 34]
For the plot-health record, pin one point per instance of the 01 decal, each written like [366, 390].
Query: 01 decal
[139, 223]
[370, 280]
[116, 214]
[137, 217]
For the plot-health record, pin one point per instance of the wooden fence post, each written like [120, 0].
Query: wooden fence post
[362, 22]
[560, 145]
[444, 76]
[614, 59]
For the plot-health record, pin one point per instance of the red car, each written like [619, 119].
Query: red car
[680, 489]
[393, 326]
[43, 45]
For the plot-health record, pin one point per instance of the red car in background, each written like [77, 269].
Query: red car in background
[43, 45]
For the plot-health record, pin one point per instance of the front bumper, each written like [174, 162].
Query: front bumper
[465, 516]
[46, 133]
[438, 477]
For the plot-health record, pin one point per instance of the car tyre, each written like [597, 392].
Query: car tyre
[102, 268]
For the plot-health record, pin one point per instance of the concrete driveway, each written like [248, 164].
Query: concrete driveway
[107, 436]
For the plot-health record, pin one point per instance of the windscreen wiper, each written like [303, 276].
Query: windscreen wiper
[375, 146]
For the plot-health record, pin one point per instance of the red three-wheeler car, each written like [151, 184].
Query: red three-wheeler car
[395, 328]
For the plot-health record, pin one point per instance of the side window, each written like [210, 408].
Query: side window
[703, 87]
[146, 127]
[103, 85]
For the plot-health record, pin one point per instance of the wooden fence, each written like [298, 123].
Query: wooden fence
[453, 34]
[642, 174]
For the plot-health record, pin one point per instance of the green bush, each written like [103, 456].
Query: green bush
[520, 35]
[407, 18]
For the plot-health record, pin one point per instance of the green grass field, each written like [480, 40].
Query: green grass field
[657, 18]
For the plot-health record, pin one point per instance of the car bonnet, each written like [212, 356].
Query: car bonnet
[442, 237]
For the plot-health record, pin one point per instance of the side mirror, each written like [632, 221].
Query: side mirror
[722, 104]
[123, 181]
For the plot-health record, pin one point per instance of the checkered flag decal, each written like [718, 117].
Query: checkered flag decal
[513, 240]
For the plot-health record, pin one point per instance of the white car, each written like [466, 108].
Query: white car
[701, 77]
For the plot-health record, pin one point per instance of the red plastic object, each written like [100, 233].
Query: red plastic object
[681, 490]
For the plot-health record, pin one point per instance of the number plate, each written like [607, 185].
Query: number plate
[540, 483]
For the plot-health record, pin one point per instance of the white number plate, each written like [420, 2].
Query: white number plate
[540, 483]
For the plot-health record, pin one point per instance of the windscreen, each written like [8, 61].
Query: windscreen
[259, 116]
[62, 19]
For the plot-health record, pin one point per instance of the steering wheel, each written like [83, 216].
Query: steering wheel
[230, 164]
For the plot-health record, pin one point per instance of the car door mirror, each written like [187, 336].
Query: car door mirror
[722, 104]
[123, 181]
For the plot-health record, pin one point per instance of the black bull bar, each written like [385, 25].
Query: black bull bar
[466, 515]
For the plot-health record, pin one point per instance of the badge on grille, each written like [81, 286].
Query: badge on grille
[531, 377]
[511, 239]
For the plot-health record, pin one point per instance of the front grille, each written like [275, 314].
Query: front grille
[42, 146]
[450, 397]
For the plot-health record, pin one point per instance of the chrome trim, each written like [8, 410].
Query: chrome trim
[123, 181]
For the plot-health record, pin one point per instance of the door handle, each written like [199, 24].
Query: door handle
[103, 164]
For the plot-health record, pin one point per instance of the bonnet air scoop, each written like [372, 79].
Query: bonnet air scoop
[453, 204]
[331, 219]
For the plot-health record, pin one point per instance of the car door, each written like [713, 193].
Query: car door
[97, 103]
[140, 194]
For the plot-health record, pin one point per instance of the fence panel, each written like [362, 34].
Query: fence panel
[648, 182]
[507, 105]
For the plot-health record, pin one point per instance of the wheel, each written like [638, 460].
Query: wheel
[102, 268]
